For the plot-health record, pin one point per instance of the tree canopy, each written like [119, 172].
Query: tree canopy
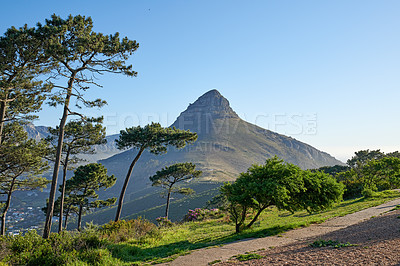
[169, 176]
[21, 164]
[79, 138]
[279, 184]
[81, 188]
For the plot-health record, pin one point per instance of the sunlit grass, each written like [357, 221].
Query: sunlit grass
[183, 238]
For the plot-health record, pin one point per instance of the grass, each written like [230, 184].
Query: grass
[330, 243]
[183, 238]
[248, 256]
[166, 244]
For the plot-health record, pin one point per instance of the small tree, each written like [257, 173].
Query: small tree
[79, 138]
[154, 138]
[78, 53]
[81, 188]
[279, 184]
[68, 209]
[176, 173]
[21, 161]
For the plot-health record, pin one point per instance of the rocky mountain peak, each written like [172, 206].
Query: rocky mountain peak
[211, 104]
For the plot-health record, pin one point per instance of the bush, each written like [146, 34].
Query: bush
[126, 229]
[164, 222]
[32, 249]
[368, 193]
[199, 214]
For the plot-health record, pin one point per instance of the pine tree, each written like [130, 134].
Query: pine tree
[154, 138]
[79, 53]
[21, 163]
[81, 188]
[79, 138]
[168, 177]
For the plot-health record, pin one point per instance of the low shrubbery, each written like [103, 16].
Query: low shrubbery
[58, 249]
[126, 229]
[200, 214]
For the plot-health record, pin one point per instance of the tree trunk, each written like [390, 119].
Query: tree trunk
[123, 190]
[66, 220]
[80, 218]
[7, 205]
[255, 217]
[50, 209]
[167, 207]
[65, 167]
[3, 107]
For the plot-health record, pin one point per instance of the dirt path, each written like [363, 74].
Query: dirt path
[207, 255]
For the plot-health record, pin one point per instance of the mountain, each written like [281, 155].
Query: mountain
[226, 146]
[101, 151]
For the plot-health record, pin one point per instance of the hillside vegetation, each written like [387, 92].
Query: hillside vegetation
[141, 242]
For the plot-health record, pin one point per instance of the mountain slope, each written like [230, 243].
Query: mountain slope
[226, 146]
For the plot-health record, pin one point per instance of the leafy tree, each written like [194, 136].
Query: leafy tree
[382, 174]
[154, 138]
[81, 188]
[79, 138]
[68, 210]
[79, 54]
[333, 170]
[21, 162]
[176, 173]
[279, 184]
[22, 60]
[362, 157]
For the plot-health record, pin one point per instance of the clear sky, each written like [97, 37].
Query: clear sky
[324, 72]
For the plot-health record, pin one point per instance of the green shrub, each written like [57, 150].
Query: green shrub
[330, 243]
[368, 193]
[126, 229]
[249, 256]
[199, 214]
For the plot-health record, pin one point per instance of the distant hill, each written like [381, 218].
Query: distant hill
[226, 146]
[101, 151]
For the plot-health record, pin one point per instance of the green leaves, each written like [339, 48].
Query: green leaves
[281, 184]
[155, 138]
[176, 173]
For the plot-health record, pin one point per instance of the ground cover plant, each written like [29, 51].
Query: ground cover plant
[330, 243]
[141, 242]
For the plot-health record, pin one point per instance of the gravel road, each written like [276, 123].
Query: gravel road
[377, 242]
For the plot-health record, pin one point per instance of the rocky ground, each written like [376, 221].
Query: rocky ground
[376, 242]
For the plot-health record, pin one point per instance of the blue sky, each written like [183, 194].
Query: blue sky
[323, 72]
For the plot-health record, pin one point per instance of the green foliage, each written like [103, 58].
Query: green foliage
[370, 171]
[368, 193]
[124, 230]
[154, 138]
[77, 53]
[248, 256]
[22, 60]
[164, 222]
[279, 184]
[21, 164]
[330, 243]
[81, 188]
[79, 138]
[176, 173]
[200, 214]
[321, 191]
